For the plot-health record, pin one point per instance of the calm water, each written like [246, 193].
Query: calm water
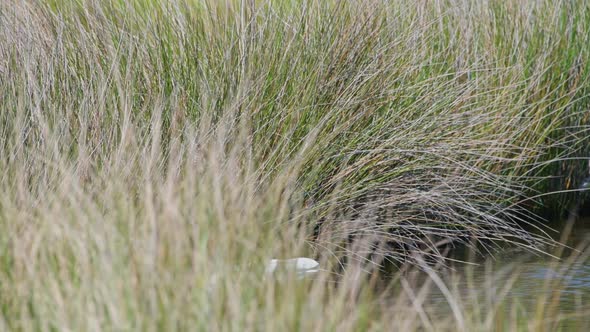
[523, 278]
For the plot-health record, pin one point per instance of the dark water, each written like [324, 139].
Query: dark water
[521, 279]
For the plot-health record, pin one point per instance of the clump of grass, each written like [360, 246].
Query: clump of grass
[156, 154]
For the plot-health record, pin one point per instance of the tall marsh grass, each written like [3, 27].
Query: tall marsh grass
[155, 154]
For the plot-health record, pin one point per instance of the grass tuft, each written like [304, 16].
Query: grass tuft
[155, 155]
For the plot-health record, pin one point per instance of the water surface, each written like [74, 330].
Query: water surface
[520, 278]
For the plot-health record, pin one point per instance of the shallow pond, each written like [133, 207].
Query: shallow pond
[524, 279]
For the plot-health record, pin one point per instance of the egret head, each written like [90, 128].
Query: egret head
[302, 266]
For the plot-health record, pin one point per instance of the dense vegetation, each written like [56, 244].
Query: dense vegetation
[154, 154]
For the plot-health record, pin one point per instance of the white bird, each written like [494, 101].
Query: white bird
[302, 266]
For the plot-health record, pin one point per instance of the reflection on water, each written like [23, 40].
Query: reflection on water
[528, 277]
